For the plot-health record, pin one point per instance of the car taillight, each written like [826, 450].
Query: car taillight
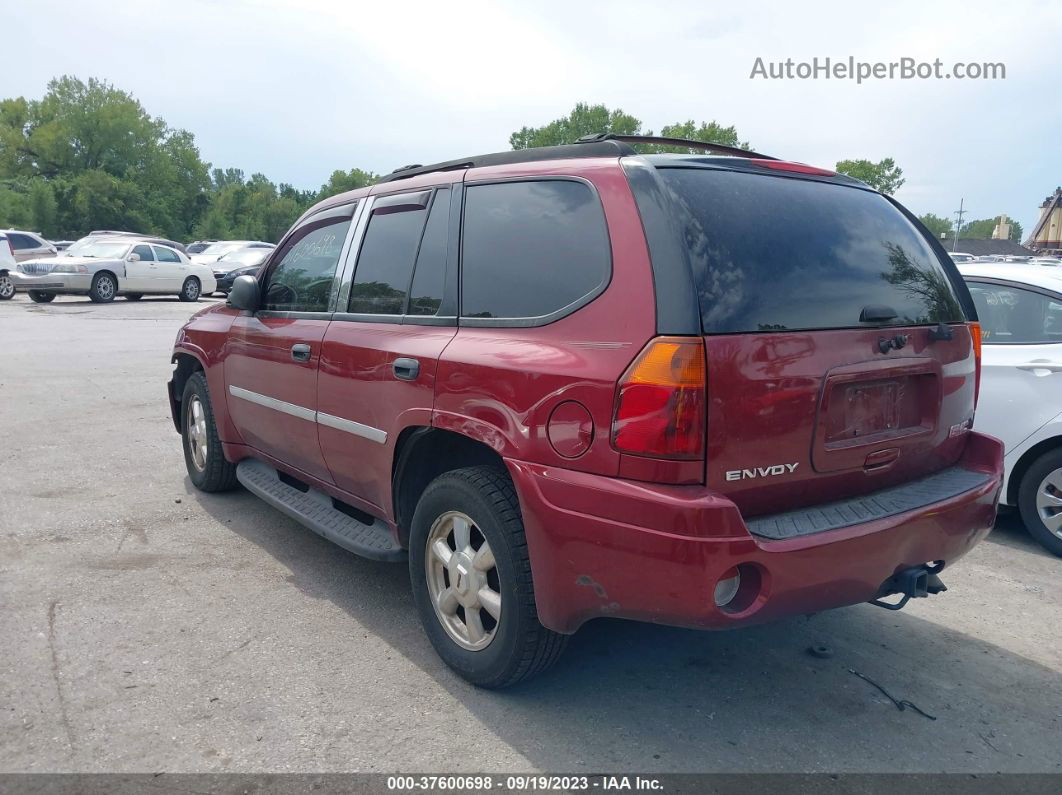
[975, 335]
[661, 403]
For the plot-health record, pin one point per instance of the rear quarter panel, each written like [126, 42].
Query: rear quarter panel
[500, 385]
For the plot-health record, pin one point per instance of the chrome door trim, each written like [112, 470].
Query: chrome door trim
[356, 428]
[301, 412]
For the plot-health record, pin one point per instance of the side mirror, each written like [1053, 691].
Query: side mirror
[133, 258]
[244, 293]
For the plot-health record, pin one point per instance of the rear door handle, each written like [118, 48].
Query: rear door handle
[406, 369]
[301, 352]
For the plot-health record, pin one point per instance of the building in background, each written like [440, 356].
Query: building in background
[1001, 231]
[1046, 236]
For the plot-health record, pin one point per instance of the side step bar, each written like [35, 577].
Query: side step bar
[315, 510]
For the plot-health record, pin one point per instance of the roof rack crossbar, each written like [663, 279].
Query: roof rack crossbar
[720, 149]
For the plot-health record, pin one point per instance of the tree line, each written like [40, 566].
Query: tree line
[88, 155]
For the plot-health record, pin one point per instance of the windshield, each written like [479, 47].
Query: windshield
[99, 249]
[773, 253]
[217, 249]
[244, 256]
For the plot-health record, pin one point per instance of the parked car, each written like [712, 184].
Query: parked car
[28, 245]
[671, 388]
[7, 264]
[959, 256]
[62, 245]
[241, 262]
[215, 251]
[198, 246]
[1020, 308]
[105, 267]
[159, 240]
[1052, 262]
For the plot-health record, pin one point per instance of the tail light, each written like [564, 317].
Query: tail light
[661, 403]
[975, 335]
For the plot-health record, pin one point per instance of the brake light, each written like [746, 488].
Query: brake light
[798, 168]
[661, 403]
[975, 335]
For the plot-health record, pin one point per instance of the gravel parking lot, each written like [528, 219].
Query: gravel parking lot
[147, 627]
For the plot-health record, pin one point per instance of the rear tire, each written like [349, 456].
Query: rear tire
[1040, 500]
[207, 468]
[7, 287]
[190, 290]
[518, 646]
[41, 297]
[104, 288]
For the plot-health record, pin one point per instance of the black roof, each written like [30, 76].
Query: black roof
[600, 145]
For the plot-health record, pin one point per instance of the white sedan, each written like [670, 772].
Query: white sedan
[105, 267]
[1020, 310]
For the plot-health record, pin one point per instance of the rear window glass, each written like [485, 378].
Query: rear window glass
[532, 248]
[772, 253]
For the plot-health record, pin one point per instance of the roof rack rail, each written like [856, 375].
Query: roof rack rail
[721, 149]
[607, 148]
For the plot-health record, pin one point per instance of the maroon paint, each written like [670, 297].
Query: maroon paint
[613, 534]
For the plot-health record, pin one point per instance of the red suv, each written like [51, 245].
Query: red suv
[705, 390]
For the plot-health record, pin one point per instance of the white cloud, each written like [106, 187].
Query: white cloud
[296, 88]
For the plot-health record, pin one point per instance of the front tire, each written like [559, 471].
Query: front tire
[41, 297]
[190, 290]
[471, 577]
[133, 296]
[7, 287]
[1040, 500]
[207, 468]
[104, 288]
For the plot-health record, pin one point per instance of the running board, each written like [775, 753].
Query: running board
[314, 509]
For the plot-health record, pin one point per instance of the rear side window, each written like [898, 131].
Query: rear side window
[773, 253]
[1016, 316]
[20, 242]
[532, 249]
[426, 292]
[385, 262]
[166, 255]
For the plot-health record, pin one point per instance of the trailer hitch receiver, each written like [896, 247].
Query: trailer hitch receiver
[917, 582]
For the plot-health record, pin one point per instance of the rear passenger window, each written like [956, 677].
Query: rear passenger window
[20, 242]
[1015, 316]
[426, 293]
[166, 255]
[531, 249]
[301, 279]
[385, 262]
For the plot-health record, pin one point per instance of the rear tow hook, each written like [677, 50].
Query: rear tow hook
[917, 582]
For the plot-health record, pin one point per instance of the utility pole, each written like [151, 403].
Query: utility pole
[958, 225]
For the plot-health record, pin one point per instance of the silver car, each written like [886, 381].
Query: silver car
[28, 245]
[105, 267]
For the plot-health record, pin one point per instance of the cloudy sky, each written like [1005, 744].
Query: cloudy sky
[298, 88]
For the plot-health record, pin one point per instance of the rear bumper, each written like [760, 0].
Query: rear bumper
[602, 546]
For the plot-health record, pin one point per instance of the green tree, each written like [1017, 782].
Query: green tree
[342, 181]
[937, 225]
[982, 229]
[884, 175]
[709, 132]
[583, 120]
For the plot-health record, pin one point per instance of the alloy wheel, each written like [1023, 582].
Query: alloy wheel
[7, 288]
[105, 287]
[463, 581]
[1049, 501]
[198, 442]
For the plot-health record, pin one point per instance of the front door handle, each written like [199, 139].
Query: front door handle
[406, 369]
[300, 352]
